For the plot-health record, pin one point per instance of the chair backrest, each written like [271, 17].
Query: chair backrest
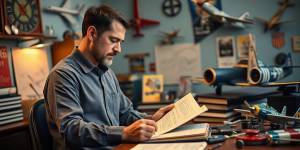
[39, 131]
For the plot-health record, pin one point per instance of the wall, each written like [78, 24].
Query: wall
[152, 10]
[54, 20]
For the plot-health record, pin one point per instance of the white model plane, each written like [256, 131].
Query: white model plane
[223, 17]
[66, 12]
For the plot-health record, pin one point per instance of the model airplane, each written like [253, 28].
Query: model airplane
[67, 13]
[139, 22]
[251, 72]
[265, 112]
[221, 16]
[275, 22]
[169, 37]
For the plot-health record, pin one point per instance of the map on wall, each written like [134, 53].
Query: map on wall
[31, 70]
[175, 61]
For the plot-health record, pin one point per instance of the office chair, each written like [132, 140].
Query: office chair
[40, 135]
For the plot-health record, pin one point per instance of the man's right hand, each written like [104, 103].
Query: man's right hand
[140, 130]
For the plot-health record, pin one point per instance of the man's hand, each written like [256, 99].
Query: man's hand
[140, 130]
[162, 111]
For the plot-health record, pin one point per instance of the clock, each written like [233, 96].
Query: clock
[24, 15]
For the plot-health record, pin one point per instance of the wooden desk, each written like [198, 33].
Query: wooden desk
[15, 136]
[230, 145]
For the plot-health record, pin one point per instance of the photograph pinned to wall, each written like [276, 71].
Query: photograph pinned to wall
[31, 70]
[203, 24]
[152, 88]
[243, 42]
[185, 86]
[174, 61]
[5, 72]
[137, 62]
[296, 43]
[226, 51]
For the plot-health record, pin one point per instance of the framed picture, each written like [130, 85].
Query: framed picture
[5, 73]
[23, 15]
[243, 42]
[226, 51]
[296, 43]
[152, 88]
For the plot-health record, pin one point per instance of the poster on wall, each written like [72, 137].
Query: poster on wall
[243, 42]
[202, 22]
[152, 88]
[226, 51]
[5, 74]
[175, 61]
[31, 70]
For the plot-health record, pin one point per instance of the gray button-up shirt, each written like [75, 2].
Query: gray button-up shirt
[85, 106]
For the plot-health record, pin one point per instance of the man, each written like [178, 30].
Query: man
[85, 106]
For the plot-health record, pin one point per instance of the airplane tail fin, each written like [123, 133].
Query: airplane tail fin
[245, 15]
[283, 112]
[297, 114]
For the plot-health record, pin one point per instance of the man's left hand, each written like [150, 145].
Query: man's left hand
[161, 112]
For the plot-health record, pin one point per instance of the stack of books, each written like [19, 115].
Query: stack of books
[10, 109]
[221, 107]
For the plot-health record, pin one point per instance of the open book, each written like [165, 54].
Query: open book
[185, 109]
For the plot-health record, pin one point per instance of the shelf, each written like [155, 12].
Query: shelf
[26, 37]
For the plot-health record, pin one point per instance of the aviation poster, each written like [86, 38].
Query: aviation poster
[175, 61]
[152, 88]
[226, 51]
[203, 24]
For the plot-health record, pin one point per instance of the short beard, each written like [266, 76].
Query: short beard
[107, 62]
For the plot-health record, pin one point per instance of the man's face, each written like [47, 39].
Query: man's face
[108, 44]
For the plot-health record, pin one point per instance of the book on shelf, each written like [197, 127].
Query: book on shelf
[236, 96]
[170, 127]
[3, 122]
[218, 114]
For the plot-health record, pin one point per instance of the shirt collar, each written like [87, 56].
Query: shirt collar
[85, 64]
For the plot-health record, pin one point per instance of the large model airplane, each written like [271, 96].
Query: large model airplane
[251, 72]
[275, 22]
[67, 13]
[139, 22]
[223, 17]
[265, 112]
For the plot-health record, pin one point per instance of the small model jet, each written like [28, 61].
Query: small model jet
[275, 22]
[265, 112]
[139, 22]
[222, 17]
[251, 72]
[169, 37]
[67, 13]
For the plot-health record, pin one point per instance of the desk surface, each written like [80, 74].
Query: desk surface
[230, 145]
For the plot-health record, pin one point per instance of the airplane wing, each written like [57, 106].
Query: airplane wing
[235, 19]
[276, 118]
[271, 84]
[146, 22]
[245, 112]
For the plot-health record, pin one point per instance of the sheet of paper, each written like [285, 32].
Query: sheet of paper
[185, 109]
[172, 146]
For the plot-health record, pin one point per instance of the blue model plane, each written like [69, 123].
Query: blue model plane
[265, 112]
[250, 72]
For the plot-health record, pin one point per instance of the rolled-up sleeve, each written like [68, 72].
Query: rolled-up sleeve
[62, 95]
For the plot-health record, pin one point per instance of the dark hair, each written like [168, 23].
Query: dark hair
[101, 17]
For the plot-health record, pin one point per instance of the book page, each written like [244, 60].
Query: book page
[185, 109]
[172, 146]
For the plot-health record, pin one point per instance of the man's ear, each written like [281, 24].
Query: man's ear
[92, 32]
